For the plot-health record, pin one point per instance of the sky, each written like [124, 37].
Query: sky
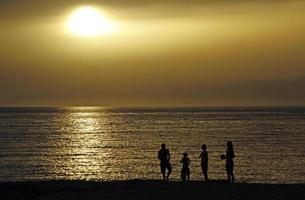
[163, 52]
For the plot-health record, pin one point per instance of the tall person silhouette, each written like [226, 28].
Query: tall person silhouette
[164, 157]
[204, 161]
[229, 162]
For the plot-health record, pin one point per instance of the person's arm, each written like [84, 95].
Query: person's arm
[168, 156]
[207, 156]
[200, 155]
[159, 155]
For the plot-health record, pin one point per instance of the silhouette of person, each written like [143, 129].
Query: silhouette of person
[229, 162]
[185, 171]
[204, 161]
[164, 157]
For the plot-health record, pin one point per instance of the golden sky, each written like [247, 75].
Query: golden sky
[169, 52]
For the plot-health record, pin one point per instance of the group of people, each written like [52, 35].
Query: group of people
[164, 157]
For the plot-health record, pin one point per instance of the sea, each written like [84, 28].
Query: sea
[121, 143]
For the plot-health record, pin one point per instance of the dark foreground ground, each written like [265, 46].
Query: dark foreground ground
[138, 189]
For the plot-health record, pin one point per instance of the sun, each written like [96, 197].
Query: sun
[89, 21]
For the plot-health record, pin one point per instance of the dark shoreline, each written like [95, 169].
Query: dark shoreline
[148, 189]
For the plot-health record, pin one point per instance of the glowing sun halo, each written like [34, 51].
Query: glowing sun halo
[89, 21]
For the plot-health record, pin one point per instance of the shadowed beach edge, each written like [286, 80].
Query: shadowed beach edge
[148, 189]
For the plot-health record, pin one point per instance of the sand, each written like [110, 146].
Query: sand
[148, 189]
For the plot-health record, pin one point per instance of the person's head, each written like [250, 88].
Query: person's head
[230, 144]
[185, 155]
[204, 147]
[163, 146]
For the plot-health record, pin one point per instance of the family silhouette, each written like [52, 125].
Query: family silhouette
[164, 157]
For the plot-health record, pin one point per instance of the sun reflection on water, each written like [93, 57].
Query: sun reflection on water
[85, 122]
[84, 145]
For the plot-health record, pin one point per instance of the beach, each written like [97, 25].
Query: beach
[148, 189]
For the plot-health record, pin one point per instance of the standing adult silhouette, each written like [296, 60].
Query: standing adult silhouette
[204, 161]
[164, 157]
[229, 162]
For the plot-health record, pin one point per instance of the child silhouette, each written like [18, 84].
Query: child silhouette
[185, 171]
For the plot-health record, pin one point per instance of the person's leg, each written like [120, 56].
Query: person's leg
[232, 175]
[183, 175]
[188, 174]
[205, 173]
[169, 171]
[228, 169]
[163, 169]
[202, 169]
[229, 176]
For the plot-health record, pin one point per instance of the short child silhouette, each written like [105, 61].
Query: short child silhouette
[185, 171]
